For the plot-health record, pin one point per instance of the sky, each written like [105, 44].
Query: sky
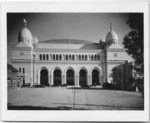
[82, 26]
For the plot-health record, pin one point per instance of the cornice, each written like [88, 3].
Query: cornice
[67, 50]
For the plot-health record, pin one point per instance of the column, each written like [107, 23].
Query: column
[49, 80]
[101, 79]
[63, 79]
[37, 79]
[90, 79]
[52, 81]
[77, 81]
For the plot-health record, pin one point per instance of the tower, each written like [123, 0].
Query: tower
[22, 54]
[116, 54]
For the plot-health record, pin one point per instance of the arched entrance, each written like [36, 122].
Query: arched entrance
[44, 77]
[70, 77]
[95, 77]
[57, 77]
[83, 77]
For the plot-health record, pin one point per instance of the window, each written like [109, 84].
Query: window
[19, 69]
[23, 70]
[92, 57]
[57, 57]
[21, 53]
[67, 57]
[79, 57]
[40, 57]
[72, 57]
[86, 57]
[53, 57]
[82, 57]
[95, 56]
[115, 55]
[44, 57]
[60, 57]
[47, 57]
[98, 57]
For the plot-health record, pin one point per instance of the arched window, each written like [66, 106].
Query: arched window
[40, 57]
[43, 56]
[47, 57]
[85, 57]
[73, 57]
[60, 57]
[79, 57]
[95, 56]
[53, 57]
[23, 70]
[98, 57]
[92, 57]
[57, 57]
[82, 57]
[69, 57]
[19, 69]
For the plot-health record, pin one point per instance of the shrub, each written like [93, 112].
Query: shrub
[108, 85]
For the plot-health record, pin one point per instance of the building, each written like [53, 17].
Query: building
[67, 61]
[126, 78]
[13, 79]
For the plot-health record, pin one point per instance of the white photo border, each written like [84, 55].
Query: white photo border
[107, 6]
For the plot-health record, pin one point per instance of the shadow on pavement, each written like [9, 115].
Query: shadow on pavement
[10, 107]
[109, 107]
[106, 107]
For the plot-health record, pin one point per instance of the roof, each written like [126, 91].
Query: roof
[10, 67]
[67, 41]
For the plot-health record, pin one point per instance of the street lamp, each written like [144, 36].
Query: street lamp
[33, 67]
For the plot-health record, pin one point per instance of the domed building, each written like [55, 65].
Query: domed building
[70, 62]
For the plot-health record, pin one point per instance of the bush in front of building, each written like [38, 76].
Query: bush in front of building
[25, 85]
[108, 85]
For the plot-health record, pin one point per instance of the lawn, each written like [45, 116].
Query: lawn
[62, 98]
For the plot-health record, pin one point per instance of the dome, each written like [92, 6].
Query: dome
[25, 33]
[111, 36]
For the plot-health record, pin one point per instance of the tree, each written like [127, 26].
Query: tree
[134, 40]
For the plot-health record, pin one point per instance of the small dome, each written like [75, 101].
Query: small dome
[25, 33]
[111, 36]
[35, 40]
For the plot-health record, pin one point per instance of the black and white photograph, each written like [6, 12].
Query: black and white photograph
[75, 61]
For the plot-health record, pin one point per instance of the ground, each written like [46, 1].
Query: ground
[57, 98]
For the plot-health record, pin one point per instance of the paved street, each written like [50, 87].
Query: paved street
[57, 98]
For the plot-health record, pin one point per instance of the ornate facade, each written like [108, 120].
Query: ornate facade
[67, 61]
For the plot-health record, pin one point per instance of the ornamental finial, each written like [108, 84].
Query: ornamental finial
[25, 22]
[111, 26]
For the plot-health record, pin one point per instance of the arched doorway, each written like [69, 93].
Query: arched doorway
[70, 77]
[83, 78]
[95, 77]
[57, 77]
[44, 77]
